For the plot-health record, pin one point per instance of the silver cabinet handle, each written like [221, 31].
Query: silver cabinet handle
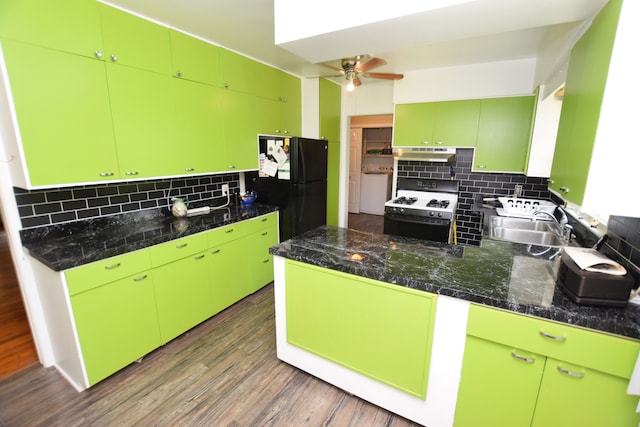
[265, 261]
[106, 173]
[97, 54]
[179, 74]
[215, 251]
[226, 85]
[522, 358]
[425, 142]
[189, 169]
[232, 166]
[265, 233]
[229, 230]
[278, 131]
[199, 257]
[114, 58]
[553, 337]
[183, 245]
[112, 266]
[482, 166]
[550, 181]
[570, 373]
[439, 142]
[139, 279]
[132, 173]
[564, 189]
[264, 219]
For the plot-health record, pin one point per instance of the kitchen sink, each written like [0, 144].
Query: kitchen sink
[519, 230]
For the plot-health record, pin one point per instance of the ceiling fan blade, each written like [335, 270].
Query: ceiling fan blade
[331, 67]
[370, 65]
[357, 82]
[325, 76]
[386, 76]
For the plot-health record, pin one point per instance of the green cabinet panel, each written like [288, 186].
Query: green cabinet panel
[177, 249]
[498, 385]
[504, 134]
[333, 183]
[184, 294]
[64, 120]
[116, 324]
[433, 124]
[135, 42]
[199, 128]
[330, 107]
[240, 136]
[194, 59]
[54, 25]
[574, 395]
[580, 114]
[361, 324]
[237, 72]
[143, 121]
[261, 259]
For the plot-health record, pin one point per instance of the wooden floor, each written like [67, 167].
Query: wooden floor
[366, 222]
[17, 350]
[224, 372]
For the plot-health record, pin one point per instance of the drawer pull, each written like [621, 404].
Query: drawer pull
[215, 251]
[184, 245]
[112, 266]
[264, 219]
[199, 257]
[139, 279]
[522, 358]
[229, 230]
[570, 373]
[265, 233]
[553, 337]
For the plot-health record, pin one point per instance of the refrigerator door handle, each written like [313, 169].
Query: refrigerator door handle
[301, 172]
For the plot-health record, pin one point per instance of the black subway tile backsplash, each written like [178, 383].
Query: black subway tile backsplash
[56, 205]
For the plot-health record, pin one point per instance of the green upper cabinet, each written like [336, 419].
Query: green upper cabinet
[240, 136]
[135, 42]
[238, 72]
[504, 134]
[143, 121]
[55, 25]
[279, 102]
[194, 59]
[434, 124]
[199, 144]
[330, 106]
[583, 94]
[64, 120]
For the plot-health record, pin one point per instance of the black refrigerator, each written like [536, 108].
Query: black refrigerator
[292, 176]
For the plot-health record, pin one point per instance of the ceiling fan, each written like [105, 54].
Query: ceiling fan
[358, 66]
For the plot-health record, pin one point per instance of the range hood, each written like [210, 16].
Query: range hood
[425, 154]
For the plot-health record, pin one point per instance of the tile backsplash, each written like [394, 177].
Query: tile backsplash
[57, 205]
[473, 184]
[623, 243]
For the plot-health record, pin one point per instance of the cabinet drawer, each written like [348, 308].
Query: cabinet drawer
[231, 232]
[89, 276]
[176, 249]
[260, 223]
[595, 350]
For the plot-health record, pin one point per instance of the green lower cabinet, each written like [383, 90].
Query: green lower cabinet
[262, 270]
[498, 385]
[116, 324]
[574, 395]
[380, 330]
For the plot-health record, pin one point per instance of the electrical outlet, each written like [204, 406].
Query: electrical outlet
[227, 216]
[225, 189]
[517, 190]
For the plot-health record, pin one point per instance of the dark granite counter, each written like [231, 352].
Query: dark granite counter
[69, 245]
[510, 276]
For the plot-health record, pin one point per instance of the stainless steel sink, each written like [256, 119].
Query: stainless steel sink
[519, 230]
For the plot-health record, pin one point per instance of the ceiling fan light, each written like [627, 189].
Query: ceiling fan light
[350, 86]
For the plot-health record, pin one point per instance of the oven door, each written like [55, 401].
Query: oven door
[434, 229]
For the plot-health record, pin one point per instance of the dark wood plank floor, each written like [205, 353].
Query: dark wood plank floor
[224, 372]
[366, 222]
[17, 350]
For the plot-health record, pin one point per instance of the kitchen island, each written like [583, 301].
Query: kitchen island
[499, 284]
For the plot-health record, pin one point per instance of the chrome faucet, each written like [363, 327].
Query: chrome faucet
[564, 227]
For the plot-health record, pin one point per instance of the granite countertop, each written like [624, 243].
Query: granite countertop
[64, 246]
[515, 277]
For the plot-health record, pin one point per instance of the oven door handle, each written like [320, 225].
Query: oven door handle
[408, 218]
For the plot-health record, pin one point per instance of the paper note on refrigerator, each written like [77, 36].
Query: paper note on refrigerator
[269, 167]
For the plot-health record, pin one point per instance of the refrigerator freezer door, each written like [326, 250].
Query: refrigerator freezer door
[310, 206]
[309, 162]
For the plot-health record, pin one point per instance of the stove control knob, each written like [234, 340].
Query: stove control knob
[440, 214]
[430, 213]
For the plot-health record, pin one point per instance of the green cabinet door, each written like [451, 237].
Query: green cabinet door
[455, 123]
[413, 125]
[262, 261]
[193, 59]
[135, 42]
[199, 131]
[333, 183]
[184, 294]
[143, 121]
[361, 324]
[580, 114]
[62, 108]
[237, 72]
[574, 395]
[270, 117]
[240, 135]
[330, 106]
[498, 385]
[68, 25]
[116, 324]
[504, 134]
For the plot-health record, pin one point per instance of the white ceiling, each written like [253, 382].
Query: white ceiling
[472, 32]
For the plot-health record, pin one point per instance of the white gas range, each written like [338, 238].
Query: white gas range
[422, 208]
